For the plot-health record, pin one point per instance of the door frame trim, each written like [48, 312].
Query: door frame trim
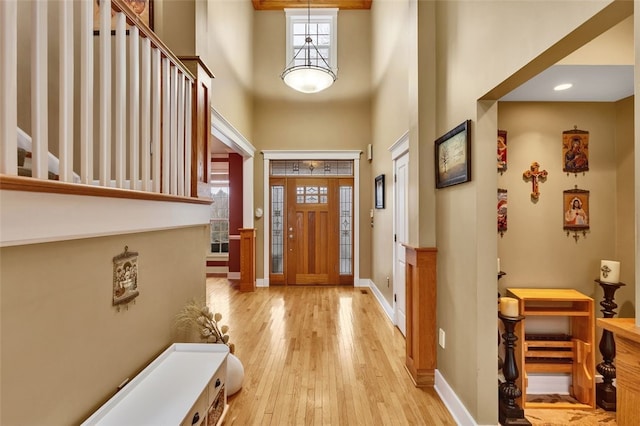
[312, 155]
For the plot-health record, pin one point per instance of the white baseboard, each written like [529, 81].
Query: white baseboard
[456, 408]
[233, 275]
[386, 307]
[362, 282]
[262, 282]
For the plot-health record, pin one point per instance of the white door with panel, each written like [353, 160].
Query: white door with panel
[400, 215]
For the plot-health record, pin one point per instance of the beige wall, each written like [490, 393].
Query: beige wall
[390, 120]
[338, 118]
[625, 245]
[536, 251]
[221, 33]
[480, 45]
[65, 348]
[550, 258]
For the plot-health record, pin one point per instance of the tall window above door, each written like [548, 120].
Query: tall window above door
[322, 28]
[220, 208]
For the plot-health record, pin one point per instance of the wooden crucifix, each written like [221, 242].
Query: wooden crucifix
[535, 174]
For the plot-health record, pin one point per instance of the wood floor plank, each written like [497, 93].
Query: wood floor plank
[319, 356]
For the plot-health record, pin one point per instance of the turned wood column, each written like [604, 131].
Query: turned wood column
[247, 259]
[606, 391]
[421, 314]
[509, 412]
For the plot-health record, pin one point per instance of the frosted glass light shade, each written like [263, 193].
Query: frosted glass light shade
[308, 78]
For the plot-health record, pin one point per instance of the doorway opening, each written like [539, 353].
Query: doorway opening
[311, 212]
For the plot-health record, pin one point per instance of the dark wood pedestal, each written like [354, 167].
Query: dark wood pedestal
[606, 391]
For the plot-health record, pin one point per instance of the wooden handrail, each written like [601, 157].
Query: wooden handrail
[159, 145]
[19, 183]
[134, 19]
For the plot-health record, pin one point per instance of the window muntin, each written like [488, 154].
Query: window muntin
[322, 28]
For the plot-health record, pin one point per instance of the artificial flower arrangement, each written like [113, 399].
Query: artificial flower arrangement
[198, 316]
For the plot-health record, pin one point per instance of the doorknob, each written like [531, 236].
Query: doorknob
[290, 228]
[291, 236]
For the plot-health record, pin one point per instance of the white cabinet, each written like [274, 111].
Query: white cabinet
[182, 386]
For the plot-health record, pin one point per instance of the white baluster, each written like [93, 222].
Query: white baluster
[86, 91]
[134, 106]
[65, 142]
[8, 85]
[187, 144]
[120, 118]
[173, 159]
[166, 125]
[105, 93]
[180, 140]
[39, 91]
[156, 130]
[145, 114]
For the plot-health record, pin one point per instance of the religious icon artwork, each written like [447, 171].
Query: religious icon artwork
[536, 176]
[576, 209]
[502, 151]
[502, 211]
[575, 150]
[125, 277]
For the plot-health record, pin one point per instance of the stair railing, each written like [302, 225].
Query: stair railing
[120, 110]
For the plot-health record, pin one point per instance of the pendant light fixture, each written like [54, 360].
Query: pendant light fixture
[308, 77]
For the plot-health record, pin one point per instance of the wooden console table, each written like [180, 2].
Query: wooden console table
[572, 354]
[420, 278]
[183, 386]
[627, 337]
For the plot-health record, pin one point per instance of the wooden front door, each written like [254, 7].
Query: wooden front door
[312, 231]
[315, 232]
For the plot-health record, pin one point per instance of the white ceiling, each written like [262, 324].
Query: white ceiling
[591, 83]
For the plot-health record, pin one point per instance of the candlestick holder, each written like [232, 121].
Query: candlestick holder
[509, 412]
[606, 391]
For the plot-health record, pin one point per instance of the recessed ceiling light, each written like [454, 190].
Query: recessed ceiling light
[563, 86]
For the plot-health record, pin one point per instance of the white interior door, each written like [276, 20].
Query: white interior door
[401, 167]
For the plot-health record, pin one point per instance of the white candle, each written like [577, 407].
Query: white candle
[509, 307]
[610, 271]
[498, 265]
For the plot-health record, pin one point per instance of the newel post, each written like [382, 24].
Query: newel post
[201, 126]
[247, 259]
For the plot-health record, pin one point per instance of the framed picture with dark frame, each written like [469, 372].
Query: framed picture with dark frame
[453, 156]
[379, 192]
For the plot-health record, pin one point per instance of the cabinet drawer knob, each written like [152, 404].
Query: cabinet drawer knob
[196, 418]
[217, 382]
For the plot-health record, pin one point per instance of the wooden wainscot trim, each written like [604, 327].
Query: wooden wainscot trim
[421, 283]
[247, 259]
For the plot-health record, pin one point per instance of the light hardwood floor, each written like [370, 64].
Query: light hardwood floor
[319, 356]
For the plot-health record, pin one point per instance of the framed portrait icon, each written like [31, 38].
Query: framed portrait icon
[576, 209]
